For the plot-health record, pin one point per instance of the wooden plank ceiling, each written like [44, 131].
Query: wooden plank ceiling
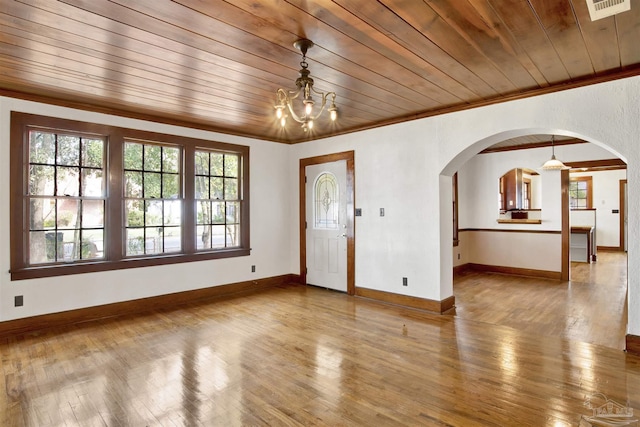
[217, 64]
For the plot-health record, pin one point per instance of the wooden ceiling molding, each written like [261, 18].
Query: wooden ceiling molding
[217, 64]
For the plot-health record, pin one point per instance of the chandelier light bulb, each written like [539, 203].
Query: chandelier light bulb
[310, 124]
[283, 121]
[308, 107]
[279, 112]
[333, 111]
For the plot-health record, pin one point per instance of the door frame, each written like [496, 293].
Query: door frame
[350, 230]
[622, 213]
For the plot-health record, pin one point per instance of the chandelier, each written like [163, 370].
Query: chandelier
[304, 83]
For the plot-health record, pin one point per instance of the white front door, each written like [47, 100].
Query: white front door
[326, 216]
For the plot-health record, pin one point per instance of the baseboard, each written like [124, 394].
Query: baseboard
[460, 269]
[632, 344]
[407, 301]
[515, 271]
[35, 323]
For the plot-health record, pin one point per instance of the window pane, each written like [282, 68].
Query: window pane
[326, 202]
[92, 244]
[135, 241]
[172, 212]
[153, 243]
[42, 214]
[231, 189]
[217, 188]
[233, 212]
[152, 182]
[42, 247]
[93, 213]
[170, 159]
[172, 239]
[217, 210]
[153, 212]
[218, 236]
[92, 153]
[134, 213]
[217, 164]
[68, 214]
[68, 150]
[202, 187]
[203, 212]
[233, 235]
[68, 181]
[230, 165]
[203, 237]
[170, 186]
[92, 183]
[152, 158]
[42, 147]
[133, 184]
[41, 180]
[202, 163]
[133, 156]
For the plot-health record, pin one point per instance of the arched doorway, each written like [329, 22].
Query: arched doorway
[513, 248]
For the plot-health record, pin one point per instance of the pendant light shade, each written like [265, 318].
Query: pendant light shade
[553, 164]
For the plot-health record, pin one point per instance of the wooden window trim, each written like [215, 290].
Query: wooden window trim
[114, 251]
[589, 181]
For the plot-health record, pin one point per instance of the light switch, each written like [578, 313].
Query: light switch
[381, 211]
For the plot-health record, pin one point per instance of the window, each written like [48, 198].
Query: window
[65, 197]
[88, 197]
[526, 193]
[580, 193]
[217, 200]
[153, 201]
[326, 202]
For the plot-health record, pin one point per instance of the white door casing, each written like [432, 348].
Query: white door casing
[326, 219]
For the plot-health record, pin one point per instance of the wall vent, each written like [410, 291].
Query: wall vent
[602, 8]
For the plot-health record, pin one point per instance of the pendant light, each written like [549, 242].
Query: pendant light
[553, 164]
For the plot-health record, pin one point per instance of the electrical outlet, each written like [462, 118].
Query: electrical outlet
[19, 301]
[405, 281]
[253, 268]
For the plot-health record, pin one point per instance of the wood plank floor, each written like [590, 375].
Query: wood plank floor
[294, 356]
[590, 308]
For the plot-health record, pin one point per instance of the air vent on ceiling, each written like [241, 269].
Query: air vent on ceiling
[602, 8]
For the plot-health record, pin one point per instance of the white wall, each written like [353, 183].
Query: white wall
[270, 219]
[406, 168]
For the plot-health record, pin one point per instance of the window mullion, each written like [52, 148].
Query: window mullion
[188, 183]
[114, 203]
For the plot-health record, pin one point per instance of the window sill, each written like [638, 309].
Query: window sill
[519, 221]
[93, 267]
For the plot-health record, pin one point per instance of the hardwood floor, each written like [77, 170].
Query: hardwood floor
[589, 308]
[294, 356]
